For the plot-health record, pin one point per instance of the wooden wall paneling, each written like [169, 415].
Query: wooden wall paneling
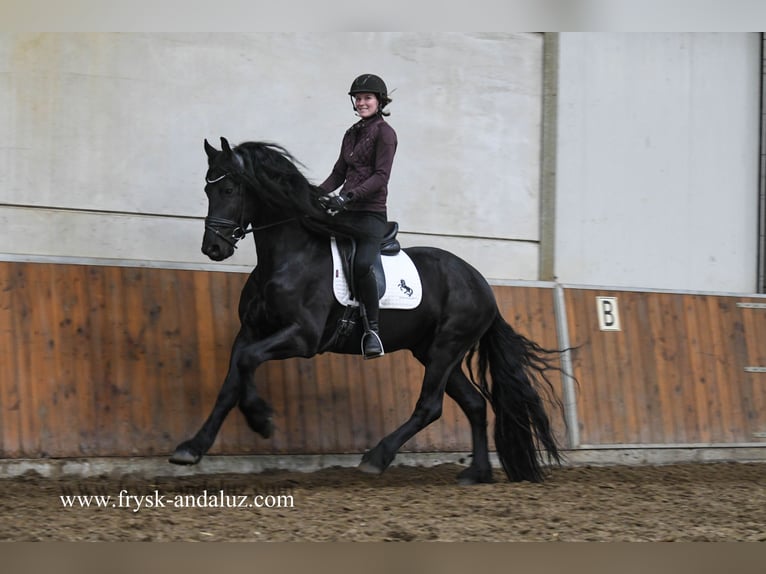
[315, 403]
[660, 402]
[608, 345]
[157, 326]
[362, 438]
[684, 389]
[335, 371]
[631, 369]
[39, 357]
[189, 390]
[581, 328]
[56, 401]
[740, 383]
[136, 357]
[174, 354]
[96, 379]
[754, 335]
[135, 319]
[740, 357]
[314, 410]
[674, 364]
[320, 371]
[708, 387]
[628, 371]
[309, 419]
[293, 409]
[21, 340]
[733, 348]
[164, 356]
[744, 398]
[110, 392]
[723, 382]
[619, 380]
[72, 398]
[642, 375]
[10, 373]
[696, 408]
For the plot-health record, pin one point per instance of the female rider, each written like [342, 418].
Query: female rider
[363, 169]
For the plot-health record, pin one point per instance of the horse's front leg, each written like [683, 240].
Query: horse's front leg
[246, 355]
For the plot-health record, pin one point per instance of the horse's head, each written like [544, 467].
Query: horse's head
[227, 214]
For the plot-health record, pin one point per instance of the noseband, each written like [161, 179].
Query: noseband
[217, 225]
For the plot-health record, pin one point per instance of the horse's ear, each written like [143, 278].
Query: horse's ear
[225, 146]
[210, 150]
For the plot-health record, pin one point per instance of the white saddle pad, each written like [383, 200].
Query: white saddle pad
[403, 287]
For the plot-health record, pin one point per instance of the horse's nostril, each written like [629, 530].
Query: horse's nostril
[211, 250]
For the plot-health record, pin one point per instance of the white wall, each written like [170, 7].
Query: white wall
[101, 154]
[657, 180]
[114, 123]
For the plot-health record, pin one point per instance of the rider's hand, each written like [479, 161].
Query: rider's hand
[334, 204]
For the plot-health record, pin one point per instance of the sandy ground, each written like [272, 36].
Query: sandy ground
[691, 502]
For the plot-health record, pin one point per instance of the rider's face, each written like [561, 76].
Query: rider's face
[366, 105]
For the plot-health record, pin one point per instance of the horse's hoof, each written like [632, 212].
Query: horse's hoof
[266, 429]
[470, 477]
[259, 416]
[369, 468]
[184, 456]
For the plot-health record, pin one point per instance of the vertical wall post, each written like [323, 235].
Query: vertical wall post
[567, 377]
[549, 121]
[761, 287]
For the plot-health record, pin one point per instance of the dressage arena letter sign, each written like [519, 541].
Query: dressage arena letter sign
[608, 314]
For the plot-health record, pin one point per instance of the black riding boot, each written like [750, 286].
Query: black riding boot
[372, 346]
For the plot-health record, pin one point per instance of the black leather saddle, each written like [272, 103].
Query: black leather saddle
[388, 246]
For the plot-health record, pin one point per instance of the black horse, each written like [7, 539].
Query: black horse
[287, 309]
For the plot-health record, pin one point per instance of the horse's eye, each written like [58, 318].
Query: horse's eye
[228, 190]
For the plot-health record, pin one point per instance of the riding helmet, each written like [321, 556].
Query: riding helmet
[372, 84]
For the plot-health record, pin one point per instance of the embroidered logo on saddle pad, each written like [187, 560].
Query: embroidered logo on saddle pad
[403, 287]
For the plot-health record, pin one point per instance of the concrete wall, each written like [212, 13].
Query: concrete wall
[656, 147]
[102, 136]
[657, 180]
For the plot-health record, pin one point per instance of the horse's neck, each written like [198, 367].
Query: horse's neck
[284, 246]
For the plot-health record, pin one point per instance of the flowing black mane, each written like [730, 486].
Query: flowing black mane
[272, 173]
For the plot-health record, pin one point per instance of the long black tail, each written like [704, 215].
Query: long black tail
[519, 370]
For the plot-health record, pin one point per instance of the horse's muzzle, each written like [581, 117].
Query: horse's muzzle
[216, 251]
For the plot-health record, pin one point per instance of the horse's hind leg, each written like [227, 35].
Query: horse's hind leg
[460, 389]
[427, 410]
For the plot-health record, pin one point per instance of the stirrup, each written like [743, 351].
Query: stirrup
[372, 333]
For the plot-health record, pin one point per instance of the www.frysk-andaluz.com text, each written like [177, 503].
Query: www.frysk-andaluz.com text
[156, 500]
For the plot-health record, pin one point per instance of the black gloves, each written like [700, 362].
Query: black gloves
[334, 204]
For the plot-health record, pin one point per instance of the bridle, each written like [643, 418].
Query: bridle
[216, 225]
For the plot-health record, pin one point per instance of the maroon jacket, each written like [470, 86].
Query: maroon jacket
[364, 165]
